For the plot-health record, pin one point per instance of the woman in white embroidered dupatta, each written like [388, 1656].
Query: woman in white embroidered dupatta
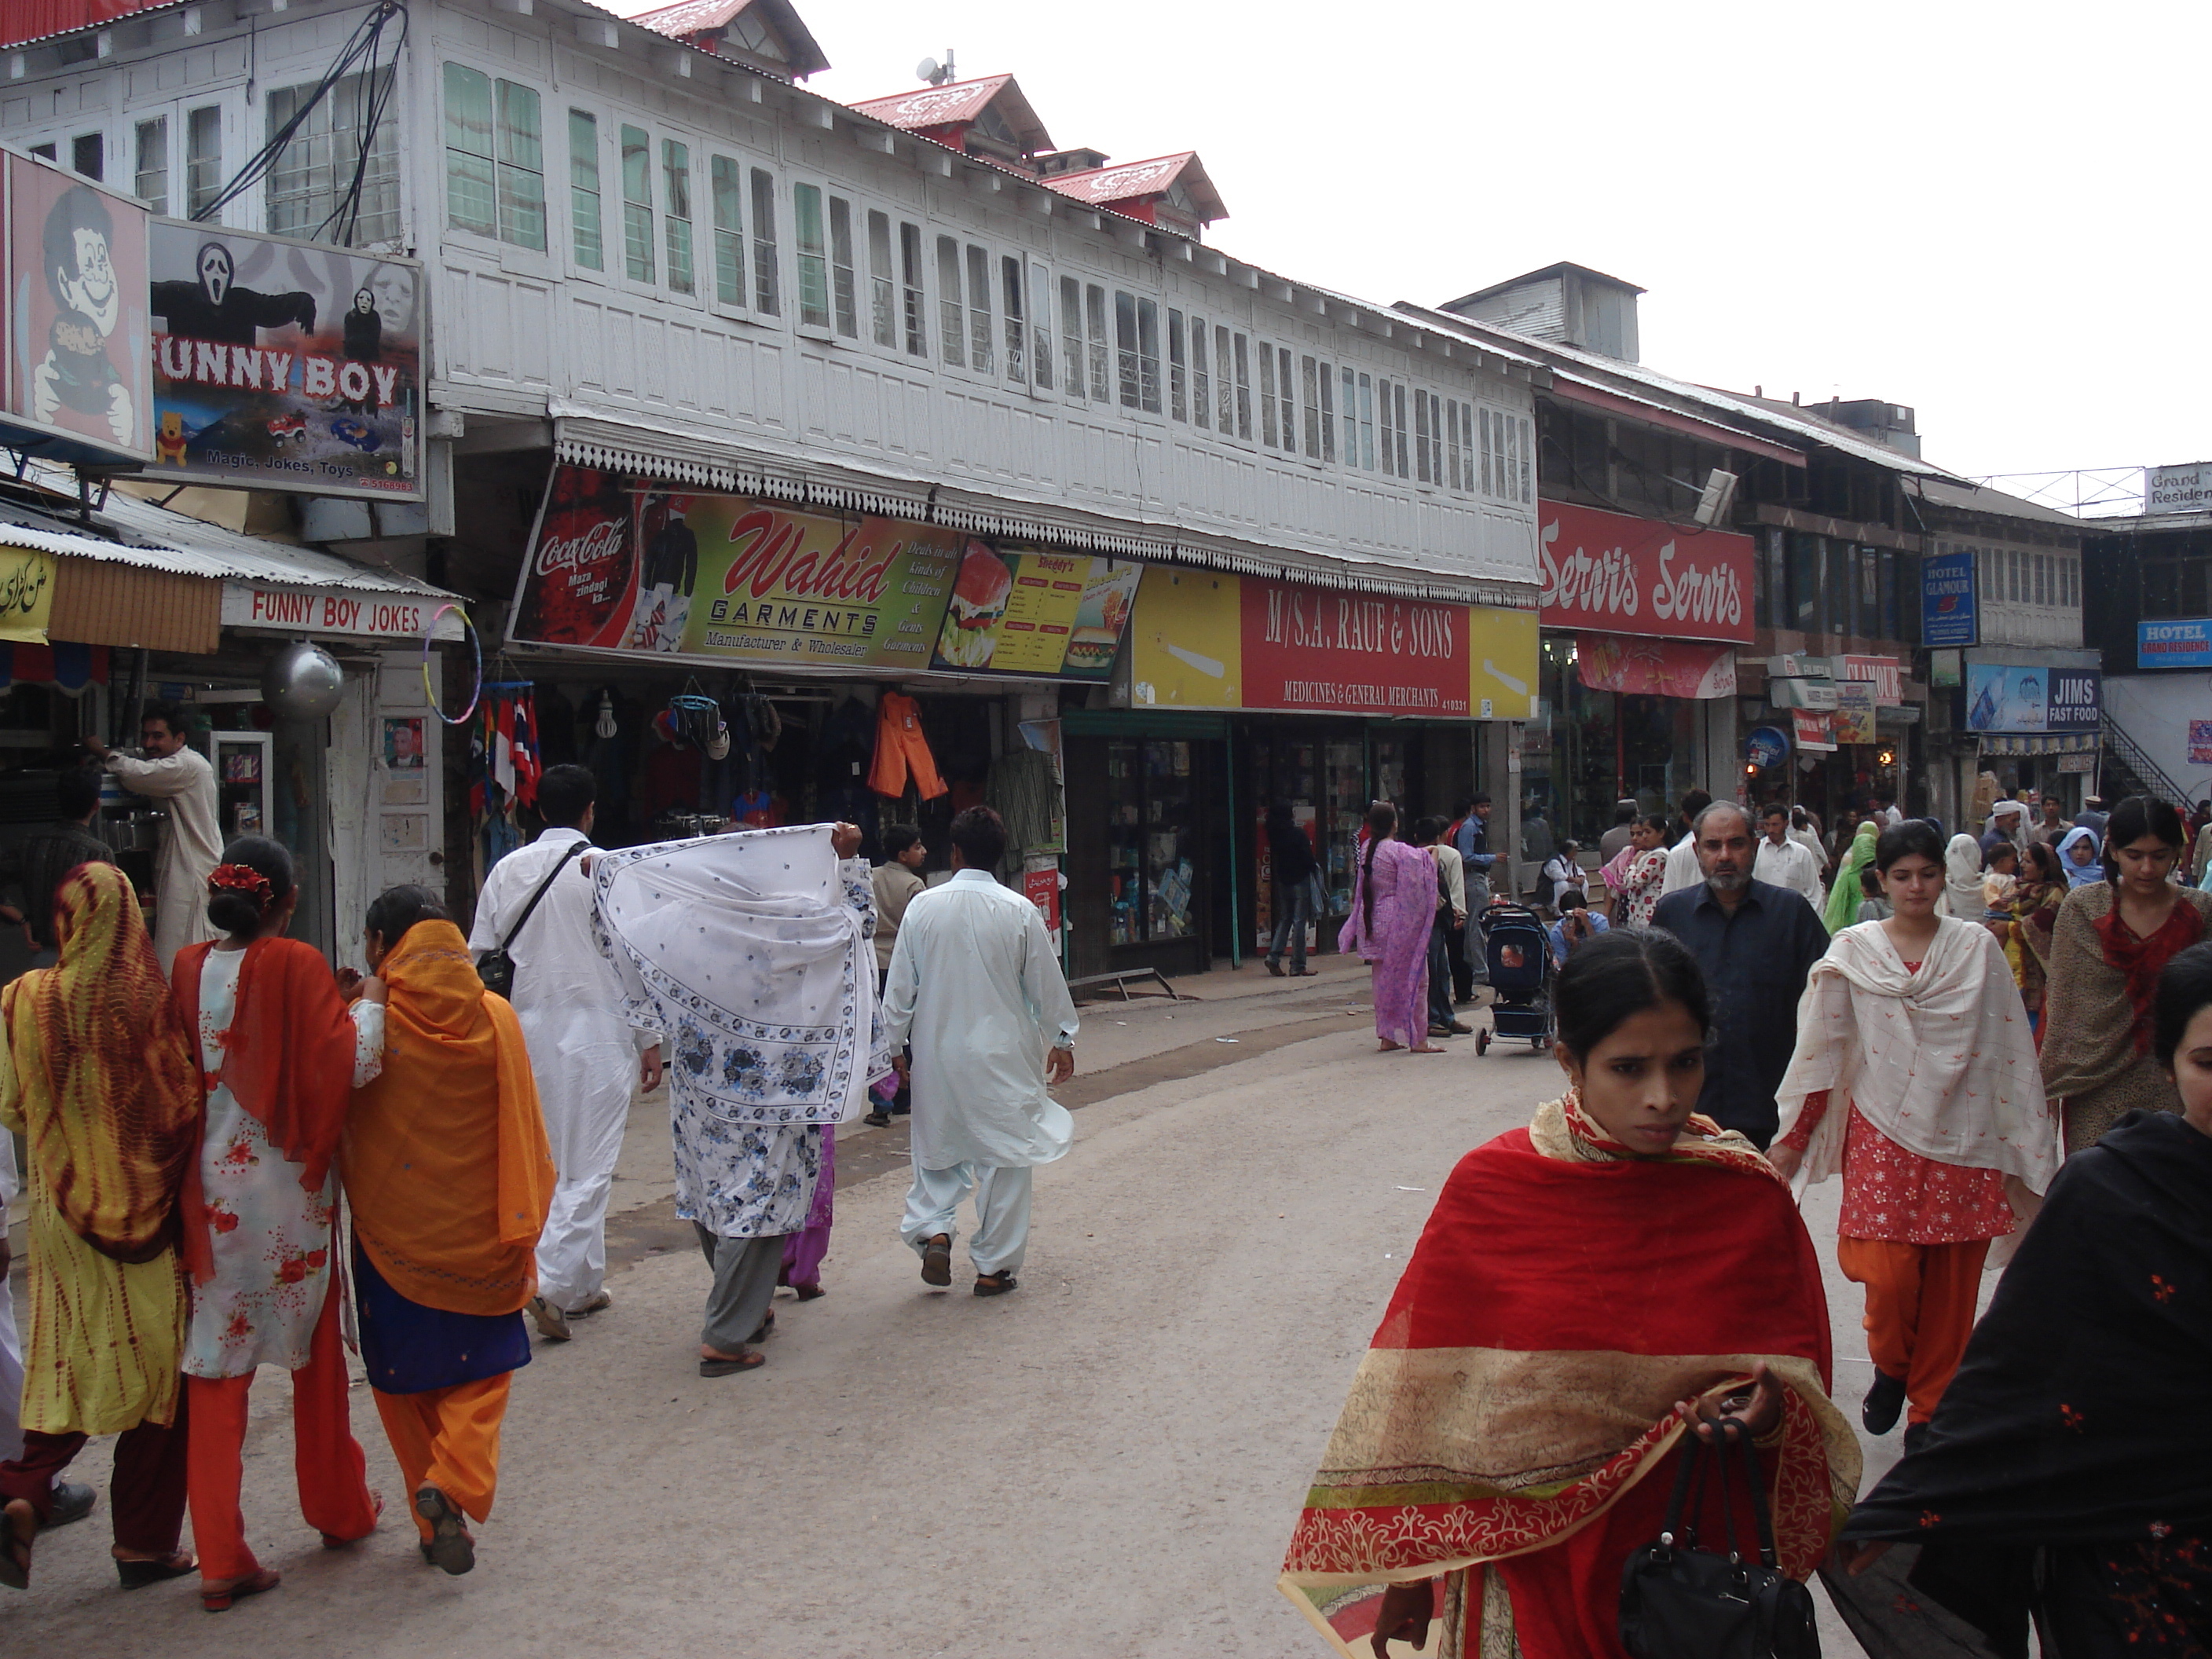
[1947, 1136]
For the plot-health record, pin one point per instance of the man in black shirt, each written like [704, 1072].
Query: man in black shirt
[1756, 943]
[31, 871]
[1290, 862]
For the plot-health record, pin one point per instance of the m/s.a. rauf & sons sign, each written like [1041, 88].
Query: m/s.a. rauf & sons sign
[1607, 573]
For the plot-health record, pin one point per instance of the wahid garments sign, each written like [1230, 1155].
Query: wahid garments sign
[1607, 573]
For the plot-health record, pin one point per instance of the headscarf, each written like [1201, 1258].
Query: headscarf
[1844, 898]
[1939, 1061]
[1512, 1401]
[1962, 877]
[287, 1058]
[102, 1072]
[2079, 875]
[445, 1157]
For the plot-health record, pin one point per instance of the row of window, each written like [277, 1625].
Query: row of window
[857, 269]
[2016, 575]
[1824, 585]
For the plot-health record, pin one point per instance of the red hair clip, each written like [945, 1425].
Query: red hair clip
[241, 879]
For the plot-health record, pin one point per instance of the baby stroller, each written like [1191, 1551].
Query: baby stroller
[1519, 952]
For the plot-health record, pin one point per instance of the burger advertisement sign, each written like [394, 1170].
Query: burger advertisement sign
[623, 566]
[1051, 615]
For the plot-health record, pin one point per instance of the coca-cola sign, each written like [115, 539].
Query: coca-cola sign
[1608, 573]
[579, 581]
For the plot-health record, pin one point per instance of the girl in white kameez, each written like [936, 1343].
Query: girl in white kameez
[280, 1054]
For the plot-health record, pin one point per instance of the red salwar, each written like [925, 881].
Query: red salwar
[326, 1459]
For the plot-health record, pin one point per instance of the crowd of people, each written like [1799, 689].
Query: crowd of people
[227, 1137]
[2003, 1046]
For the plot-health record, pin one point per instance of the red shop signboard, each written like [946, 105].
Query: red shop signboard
[1610, 573]
[1352, 653]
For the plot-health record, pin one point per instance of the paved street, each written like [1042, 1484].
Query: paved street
[1106, 1463]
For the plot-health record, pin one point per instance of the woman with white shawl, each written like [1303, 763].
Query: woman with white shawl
[1945, 1135]
[1962, 879]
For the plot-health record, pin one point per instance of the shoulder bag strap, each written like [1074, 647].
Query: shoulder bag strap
[574, 847]
[1759, 1508]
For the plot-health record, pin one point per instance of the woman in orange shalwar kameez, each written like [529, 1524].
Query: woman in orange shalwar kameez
[446, 1165]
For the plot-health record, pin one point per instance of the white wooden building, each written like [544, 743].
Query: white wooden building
[680, 259]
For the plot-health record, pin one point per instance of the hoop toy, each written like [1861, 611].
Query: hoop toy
[475, 651]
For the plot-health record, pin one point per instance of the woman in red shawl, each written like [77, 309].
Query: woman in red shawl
[1586, 1289]
[279, 1058]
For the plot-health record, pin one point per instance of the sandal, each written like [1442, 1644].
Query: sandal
[450, 1549]
[995, 1283]
[136, 1575]
[747, 1359]
[937, 1261]
[877, 1120]
[808, 1292]
[764, 1327]
[217, 1596]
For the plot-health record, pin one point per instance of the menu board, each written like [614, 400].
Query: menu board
[1044, 614]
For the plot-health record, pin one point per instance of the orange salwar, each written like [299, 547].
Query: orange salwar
[327, 1459]
[1920, 1306]
[448, 1438]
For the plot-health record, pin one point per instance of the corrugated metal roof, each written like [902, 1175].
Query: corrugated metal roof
[1602, 370]
[1979, 498]
[155, 538]
[25, 20]
[1103, 187]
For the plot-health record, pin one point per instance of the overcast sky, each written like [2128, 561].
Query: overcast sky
[1994, 215]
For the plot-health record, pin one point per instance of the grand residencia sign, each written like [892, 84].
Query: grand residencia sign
[1608, 573]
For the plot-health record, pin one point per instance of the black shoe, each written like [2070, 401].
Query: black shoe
[877, 1120]
[1884, 1402]
[72, 1501]
[1274, 967]
[1915, 1437]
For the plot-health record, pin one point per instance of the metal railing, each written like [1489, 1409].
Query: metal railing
[2148, 771]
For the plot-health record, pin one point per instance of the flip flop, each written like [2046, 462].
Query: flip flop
[217, 1598]
[136, 1575]
[747, 1361]
[450, 1549]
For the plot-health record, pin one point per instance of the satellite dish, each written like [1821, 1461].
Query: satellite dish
[927, 70]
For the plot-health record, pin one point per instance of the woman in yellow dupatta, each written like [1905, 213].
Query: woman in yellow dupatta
[446, 1167]
[98, 1075]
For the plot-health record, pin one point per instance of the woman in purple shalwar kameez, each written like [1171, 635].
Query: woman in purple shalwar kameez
[1394, 906]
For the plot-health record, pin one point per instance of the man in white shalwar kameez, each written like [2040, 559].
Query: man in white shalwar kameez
[975, 988]
[584, 1054]
[178, 775]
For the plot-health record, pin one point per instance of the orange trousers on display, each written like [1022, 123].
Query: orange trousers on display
[1920, 1303]
[448, 1438]
[901, 749]
[327, 1459]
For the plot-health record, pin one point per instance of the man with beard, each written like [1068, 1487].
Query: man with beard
[1756, 944]
[215, 307]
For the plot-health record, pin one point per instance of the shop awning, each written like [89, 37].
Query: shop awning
[2056, 743]
[70, 669]
[162, 581]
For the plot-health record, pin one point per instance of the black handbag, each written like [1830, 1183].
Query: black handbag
[1678, 1602]
[495, 967]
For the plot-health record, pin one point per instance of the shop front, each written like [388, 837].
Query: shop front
[1641, 620]
[1829, 734]
[722, 660]
[1316, 699]
[2038, 725]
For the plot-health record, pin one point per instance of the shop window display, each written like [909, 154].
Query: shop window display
[1590, 749]
[1151, 840]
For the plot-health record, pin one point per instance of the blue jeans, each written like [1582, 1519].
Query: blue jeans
[1293, 910]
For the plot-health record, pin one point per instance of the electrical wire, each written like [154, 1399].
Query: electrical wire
[358, 55]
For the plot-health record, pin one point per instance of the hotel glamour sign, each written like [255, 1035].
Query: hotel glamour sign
[1608, 573]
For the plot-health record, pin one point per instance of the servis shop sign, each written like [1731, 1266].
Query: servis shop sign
[1608, 573]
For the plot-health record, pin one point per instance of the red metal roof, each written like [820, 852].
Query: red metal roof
[1131, 180]
[962, 104]
[34, 20]
[690, 17]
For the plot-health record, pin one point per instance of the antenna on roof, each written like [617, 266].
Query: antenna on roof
[936, 74]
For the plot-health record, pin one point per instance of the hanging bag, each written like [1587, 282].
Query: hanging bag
[1678, 1602]
[495, 967]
